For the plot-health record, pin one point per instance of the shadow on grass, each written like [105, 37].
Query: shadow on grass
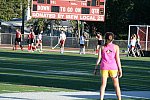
[48, 82]
[81, 83]
[76, 82]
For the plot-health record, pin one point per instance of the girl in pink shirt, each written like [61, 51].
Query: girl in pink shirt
[110, 65]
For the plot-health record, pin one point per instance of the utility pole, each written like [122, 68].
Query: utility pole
[52, 25]
[23, 13]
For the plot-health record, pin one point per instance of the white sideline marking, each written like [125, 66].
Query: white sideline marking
[71, 95]
[52, 72]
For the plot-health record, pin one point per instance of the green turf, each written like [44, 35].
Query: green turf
[52, 71]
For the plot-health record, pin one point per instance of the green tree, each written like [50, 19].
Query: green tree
[122, 13]
[11, 9]
[117, 17]
[140, 13]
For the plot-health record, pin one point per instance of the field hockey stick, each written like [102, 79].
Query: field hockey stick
[55, 46]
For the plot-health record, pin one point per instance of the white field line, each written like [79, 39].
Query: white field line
[55, 73]
[73, 72]
[56, 50]
[71, 95]
[47, 71]
[43, 61]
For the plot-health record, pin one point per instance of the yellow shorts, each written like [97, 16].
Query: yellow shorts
[109, 73]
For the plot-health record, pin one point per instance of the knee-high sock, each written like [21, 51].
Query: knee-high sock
[29, 47]
[62, 49]
[83, 50]
[41, 47]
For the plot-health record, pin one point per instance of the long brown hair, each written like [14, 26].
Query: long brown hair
[109, 36]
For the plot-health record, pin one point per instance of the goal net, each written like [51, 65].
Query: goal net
[143, 32]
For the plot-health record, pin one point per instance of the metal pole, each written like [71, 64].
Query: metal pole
[82, 23]
[52, 23]
[23, 13]
[146, 38]
[79, 28]
[0, 31]
[11, 39]
[128, 38]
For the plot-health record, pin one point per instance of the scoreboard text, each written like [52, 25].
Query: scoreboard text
[90, 10]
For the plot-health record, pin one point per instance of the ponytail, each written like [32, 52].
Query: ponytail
[109, 36]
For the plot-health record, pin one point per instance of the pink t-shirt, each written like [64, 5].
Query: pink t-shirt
[108, 61]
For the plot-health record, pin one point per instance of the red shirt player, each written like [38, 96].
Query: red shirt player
[29, 41]
[18, 39]
[31, 38]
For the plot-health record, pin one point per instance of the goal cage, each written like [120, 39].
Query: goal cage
[143, 31]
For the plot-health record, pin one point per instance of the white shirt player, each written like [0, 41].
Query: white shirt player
[82, 39]
[40, 36]
[133, 42]
[62, 36]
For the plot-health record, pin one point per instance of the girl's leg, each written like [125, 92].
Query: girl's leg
[37, 44]
[40, 46]
[28, 47]
[62, 48]
[31, 46]
[83, 49]
[132, 49]
[20, 45]
[97, 49]
[103, 86]
[117, 87]
[16, 43]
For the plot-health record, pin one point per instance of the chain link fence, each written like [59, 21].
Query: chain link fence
[71, 42]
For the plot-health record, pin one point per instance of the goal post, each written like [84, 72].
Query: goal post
[143, 31]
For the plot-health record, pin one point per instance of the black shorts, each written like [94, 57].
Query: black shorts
[82, 45]
[17, 39]
[32, 40]
[29, 41]
[100, 42]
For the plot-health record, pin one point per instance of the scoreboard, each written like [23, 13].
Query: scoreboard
[88, 10]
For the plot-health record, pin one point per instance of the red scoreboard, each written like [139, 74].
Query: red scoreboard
[88, 10]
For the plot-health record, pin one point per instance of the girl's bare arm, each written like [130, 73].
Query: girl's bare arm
[118, 61]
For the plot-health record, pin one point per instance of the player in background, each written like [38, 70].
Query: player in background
[31, 40]
[99, 41]
[133, 43]
[62, 39]
[39, 41]
[18, 40]
[138, 41]
[82, 43]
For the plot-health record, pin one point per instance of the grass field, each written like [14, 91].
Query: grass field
[52, 71]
